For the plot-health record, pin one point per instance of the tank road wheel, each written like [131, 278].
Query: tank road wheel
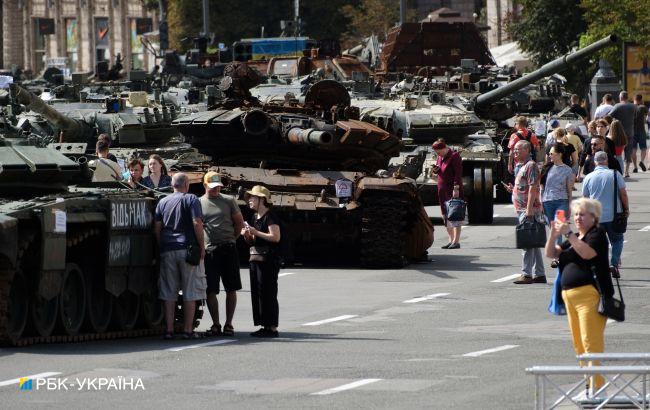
[480, 204]
[44, 314]
[72, 300]
[152, 310]
[126, 309]
[18, 307]
[99, 306]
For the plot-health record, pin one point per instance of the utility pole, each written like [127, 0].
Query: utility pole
[402, 12]
[206, 18]
[296, 17]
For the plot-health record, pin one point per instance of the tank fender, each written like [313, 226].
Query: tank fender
[402, 185]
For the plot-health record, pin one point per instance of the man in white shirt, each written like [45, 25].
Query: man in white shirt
[606, 106]
[105, 169]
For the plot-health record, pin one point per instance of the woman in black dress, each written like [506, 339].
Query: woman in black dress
[263, 235]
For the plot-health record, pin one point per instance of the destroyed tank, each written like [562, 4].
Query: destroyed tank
[321, 165]
[76, 263]
[423, 116]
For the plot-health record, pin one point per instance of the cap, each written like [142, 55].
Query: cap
[554, 123]
[600, 157]
[212, 179]
[259, 190]
[439, 145]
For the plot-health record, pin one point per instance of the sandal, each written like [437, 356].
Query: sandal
[215, 330]
[190, 335]
[228, 330]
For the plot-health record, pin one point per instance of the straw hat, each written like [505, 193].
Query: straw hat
[260, 191]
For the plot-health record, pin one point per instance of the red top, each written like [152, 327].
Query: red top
[514, 138]
[451, 172]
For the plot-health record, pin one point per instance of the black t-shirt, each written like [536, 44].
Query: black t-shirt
[578, 109]
[262, 224]
[569, 149]
[577, 271]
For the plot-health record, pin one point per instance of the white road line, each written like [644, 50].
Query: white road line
[33, 376]
[427, 297]
[214, 343]
[286, 274]
[645, 229]
[506, 278]
[344, 387]
[495, 349]
[330, 320]
[496, 215]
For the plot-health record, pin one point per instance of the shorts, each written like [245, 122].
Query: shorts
[223, 262]
[629, 147]
[641, 141]
[176, 274]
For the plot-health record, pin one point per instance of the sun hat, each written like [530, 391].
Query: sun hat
[260, 191]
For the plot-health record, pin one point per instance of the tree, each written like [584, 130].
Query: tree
[548, 29]
[371, 17]
[628, 19]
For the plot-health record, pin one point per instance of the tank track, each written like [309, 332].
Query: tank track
[384, 223]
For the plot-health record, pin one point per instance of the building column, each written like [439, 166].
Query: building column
[28, 55]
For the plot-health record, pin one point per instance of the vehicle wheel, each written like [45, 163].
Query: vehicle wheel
[44, 314]
[152, 309]
[99, 307]
[126, 309]
[18, 306]
[480, 204]
[72, 299]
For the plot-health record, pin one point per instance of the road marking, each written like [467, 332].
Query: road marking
[344, 387]
[286, 274]
[645, 229]
[194, 346]
[330, 320]
[427, 297]
[509, 206]
[495, 349]
[33, 376]
[506, 278]
[496, 215]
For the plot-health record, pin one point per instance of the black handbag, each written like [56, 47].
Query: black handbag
[456, 209]
[619, 224]
[610, 306]
[193, 255]
[530, 233]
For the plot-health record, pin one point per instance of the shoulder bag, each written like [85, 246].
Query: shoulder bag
[456, 209]
[530, 233]
[619, 224]
[193, 256]
[610, 306]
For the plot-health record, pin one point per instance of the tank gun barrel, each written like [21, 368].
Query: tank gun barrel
[71, 128]
[309, 136]
[547, 69]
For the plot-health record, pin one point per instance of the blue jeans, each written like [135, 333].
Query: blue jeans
[616, 240]
[550, 207]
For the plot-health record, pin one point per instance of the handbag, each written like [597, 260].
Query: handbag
[530, 233]
[619, 224]
[556, 306]
[609, 306]
[456, 209]
[193, 255]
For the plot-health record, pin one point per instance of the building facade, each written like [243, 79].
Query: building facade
[75, 34]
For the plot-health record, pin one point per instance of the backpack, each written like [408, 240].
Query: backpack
[528, 137]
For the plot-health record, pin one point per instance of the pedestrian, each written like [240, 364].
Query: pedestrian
[582, 255]
[136, 167]
[640, 134]
[179, 226]
[550, 137]
[263, 235]
[625, 112]
[597, 144]
[557, 184]
[105, 170]
[449, 169]
[605, 107]
[222, 225]
[576, 142]
[526, 199]
[599, 185]
[158, 177]
[522, 133]
[569, 153]
[106, 138]
[617, 135]
[578, 109]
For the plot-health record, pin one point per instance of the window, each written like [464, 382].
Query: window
[39, 48]
[71, 42]
[137, 49]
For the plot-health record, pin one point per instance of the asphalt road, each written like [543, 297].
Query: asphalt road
[447, 334]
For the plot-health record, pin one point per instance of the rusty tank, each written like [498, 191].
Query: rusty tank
[328, 172]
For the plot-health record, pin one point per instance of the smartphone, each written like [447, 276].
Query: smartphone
[246, 224]
[560, 215]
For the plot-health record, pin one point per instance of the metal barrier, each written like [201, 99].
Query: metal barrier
[613, 375]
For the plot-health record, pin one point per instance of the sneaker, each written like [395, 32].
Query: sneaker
[523, 280]
[539, 279]
[454, 246]
[265, 333]
[258, 333]
[642, 166]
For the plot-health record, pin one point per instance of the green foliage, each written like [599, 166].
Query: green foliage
[371, 17]
[626, 18]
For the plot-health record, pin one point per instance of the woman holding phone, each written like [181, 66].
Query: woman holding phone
[449, 169]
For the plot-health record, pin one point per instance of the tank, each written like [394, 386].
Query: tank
[78, 263]
[328, 172]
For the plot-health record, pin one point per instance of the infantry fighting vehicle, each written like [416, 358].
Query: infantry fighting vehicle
[75, 263]
[321, 165]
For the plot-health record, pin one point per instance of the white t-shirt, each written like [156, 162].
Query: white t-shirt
[602, 110]
[106, 170]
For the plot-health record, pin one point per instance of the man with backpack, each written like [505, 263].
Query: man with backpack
[522, 133]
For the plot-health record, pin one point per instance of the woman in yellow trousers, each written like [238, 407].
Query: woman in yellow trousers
[583, 263]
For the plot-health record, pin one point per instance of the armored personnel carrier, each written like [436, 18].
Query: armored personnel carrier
[76, 263]
[321, 163]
